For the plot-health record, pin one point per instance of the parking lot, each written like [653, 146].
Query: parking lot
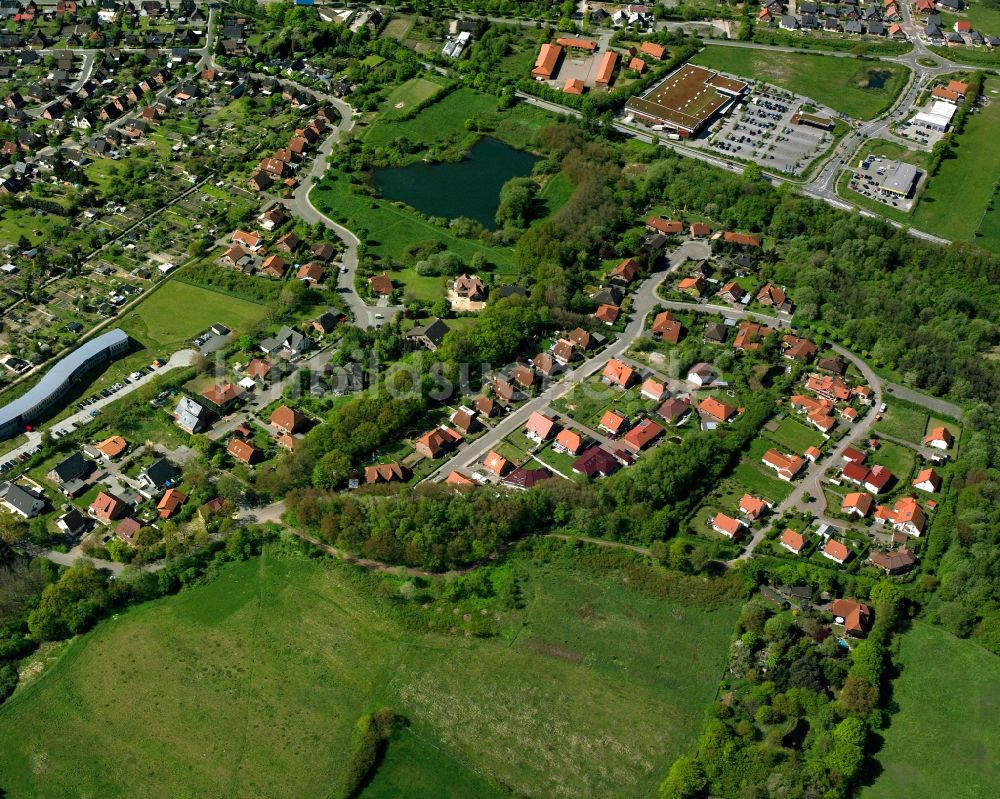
[922, 138]
[865, 180]
[761, 130]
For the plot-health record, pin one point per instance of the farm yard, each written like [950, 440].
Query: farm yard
[590, 689]
[861, 90]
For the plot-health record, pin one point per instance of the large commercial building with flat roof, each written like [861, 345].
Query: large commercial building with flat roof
[31, 406]
[899, 179]
[686, 100]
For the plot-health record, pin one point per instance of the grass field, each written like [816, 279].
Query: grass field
[436, 123]
[252, 684]
[903, 421]
[795, 436]
[956, 198]
[404, 97]
[840, 83]
[944, 739]
[177, 312]
[392, 228]
[896, 458]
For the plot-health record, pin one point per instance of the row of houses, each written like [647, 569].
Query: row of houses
[280, 166]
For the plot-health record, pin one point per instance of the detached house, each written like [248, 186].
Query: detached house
[906, 516]
[727, 526]
[792, 541]
[787, 466]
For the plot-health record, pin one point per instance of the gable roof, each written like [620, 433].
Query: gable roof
[793, 541]
[618, 372]
[112, 447]
[717, 410]
[540, 424]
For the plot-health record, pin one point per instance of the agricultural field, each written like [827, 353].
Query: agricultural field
[862, 90]
[944, 737]
[593, 690]
[956, 201]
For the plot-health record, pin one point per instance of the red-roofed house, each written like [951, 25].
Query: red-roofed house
[612, 423]
[243, 451]
[107, 507]
[568, 442]
[741, 239]
[287, 420]
[787, 466]
[793, 541]
[715, 410]
[939, 438]
[906, 516]
[170, 503]
[666, 327]
[380, 284]
[855, 617]
[928, 480]
[727, 526]
[496, 464]
[626, 271]
[753, 507]
[608, 314]
[653, 389]
[385, 473]
[857, 504]
[618, 373]
[669, 227]
[641, 436]
[699, 230]
[835, 551]
[540, 427]
[435, 443]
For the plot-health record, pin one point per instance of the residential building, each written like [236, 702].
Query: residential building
[642, 435]
[835, 551]
[190, 416]
[170, 503]
[714, 410]
[653, 389]
[430, 334]
[939, 438]
[540, 427]
[894, 562]
[726, 525]
[906, 516]
[437, 442]
[854, 616]
[243, 451]
[107, 507]
[496, 464]
[792, 541]
[787, 466]
[522, 479]
[596, 461]
[857, 504]
[613, 423]
[20, 501]
[928, 480]
[701, 374]
[69, 474]
[568, 442]
[618, 373]
[753, 507]
[381, 473]
[674, 411]
[287, 420]
[666, 328]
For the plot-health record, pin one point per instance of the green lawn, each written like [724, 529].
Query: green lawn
[252, 685]
[956, 198]
[758, 480]
[436, 123]
[902, 421]
[391, 229]
[404, 97]
[794, 436]
[984, 19]
[414, 768]
[896, 458]
[178, 312]
[944, 739]
[556, 192]
[840, 83]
